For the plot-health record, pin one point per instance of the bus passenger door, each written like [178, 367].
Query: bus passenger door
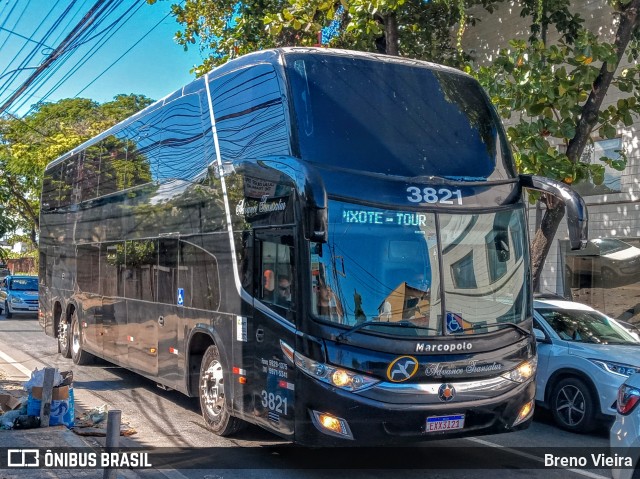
[274, 307]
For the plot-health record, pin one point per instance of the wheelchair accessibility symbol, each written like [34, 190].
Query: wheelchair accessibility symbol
[180, 296]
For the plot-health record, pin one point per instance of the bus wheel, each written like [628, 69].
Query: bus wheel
[572, 405]
[213, 404]
[78, 355]
[7, 311]
[64, 343]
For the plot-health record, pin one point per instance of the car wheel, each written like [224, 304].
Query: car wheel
[78, 354]
[213, 403]
[64, 340]
[7, 311]
[572, 405]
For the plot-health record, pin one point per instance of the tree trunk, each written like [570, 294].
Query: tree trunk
[391, 33]
[543, 238]
[629, 20]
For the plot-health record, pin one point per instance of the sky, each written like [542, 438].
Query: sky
[154, 66]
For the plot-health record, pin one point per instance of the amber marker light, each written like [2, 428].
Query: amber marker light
[330, 422]
[331, 425]
[525, 413]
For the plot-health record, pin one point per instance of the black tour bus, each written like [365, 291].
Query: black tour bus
[329, 244]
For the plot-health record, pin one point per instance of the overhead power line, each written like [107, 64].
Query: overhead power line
[86, 21]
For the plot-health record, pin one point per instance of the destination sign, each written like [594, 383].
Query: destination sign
[397, 218]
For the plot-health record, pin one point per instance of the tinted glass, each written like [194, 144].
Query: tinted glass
[24, 284]
[167, 276]
[51, 183]
[198, 277]
[383, 266]
[88, 268]
[249, 114]
[394, 118]
[111, 265]
[586, 326]
[379, 265]
[141, 263]
[485, 281]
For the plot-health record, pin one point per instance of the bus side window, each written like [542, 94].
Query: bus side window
[276, 271]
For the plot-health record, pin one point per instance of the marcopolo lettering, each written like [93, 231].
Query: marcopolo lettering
[442, 347]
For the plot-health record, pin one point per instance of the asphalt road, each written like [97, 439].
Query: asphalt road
[169, 419]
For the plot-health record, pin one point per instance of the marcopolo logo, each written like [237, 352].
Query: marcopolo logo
[402, 369]
[443, 347]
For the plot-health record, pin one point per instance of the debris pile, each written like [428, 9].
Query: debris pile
[20, 405]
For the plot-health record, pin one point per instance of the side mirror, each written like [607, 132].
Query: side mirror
[577, 217]
[540, 336]
[317, 225]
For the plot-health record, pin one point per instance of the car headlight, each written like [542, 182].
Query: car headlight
[616, 368]
[525, 371]
[15, 300]
[339, 377]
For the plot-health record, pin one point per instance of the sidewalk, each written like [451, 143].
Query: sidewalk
[50, 437]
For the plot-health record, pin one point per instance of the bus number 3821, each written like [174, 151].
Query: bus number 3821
[431, 195]
[274, 402]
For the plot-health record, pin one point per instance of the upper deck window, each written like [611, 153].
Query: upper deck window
[395, 118]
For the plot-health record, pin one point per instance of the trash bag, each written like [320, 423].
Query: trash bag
[7, 419]
[26, 422]
[37, 379]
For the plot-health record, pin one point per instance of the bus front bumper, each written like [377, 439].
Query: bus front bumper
[362, 421]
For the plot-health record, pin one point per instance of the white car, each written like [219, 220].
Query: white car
[625, 432]
[583, 358]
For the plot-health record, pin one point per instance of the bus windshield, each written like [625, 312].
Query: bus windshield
[393, 118]
[383, 266]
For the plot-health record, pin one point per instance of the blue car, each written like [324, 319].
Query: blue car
[19, 295]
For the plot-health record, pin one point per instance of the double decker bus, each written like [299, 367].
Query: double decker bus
[329, 244]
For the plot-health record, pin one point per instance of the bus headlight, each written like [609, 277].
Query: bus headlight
[15, 300]
[525, 371]
[338, 377]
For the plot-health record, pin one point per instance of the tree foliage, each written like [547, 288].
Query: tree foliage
[414, 28]
[27, 145]
[552, 98]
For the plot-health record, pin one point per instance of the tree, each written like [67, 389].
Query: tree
[413, 28]
[27, 145]
[553, 94]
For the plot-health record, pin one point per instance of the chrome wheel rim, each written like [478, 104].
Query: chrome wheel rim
[75, 337]
[212, 387]
[571, 405]
[63, 335]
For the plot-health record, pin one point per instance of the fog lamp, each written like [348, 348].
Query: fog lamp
[331, 425]
[525, 413]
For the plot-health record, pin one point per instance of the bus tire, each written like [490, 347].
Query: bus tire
[7, 311]
[572, 405]
[64, 338]
[213, 404]
[78, 354]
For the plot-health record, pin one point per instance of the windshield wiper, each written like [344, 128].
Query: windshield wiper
[499, 325]
[401, 324]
